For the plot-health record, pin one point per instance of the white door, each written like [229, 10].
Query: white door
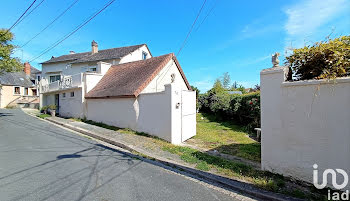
[188, 114]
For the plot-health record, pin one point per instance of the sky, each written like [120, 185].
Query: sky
[231, 36]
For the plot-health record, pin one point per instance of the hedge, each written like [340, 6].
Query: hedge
[243, 109]
[327, 59]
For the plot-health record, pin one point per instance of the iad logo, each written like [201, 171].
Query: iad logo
[335, 195]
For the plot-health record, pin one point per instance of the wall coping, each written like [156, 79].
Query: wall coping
[272, 70]
[317, 82]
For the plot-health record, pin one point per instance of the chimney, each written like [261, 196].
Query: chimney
[27, 68]
[71, 52]
[94, 47]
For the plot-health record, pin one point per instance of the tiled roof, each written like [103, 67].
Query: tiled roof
[129, 79]
[16, 79]
[114, 53]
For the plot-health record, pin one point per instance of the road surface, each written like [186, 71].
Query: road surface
[40, 161]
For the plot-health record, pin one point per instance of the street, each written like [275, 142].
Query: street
[40, 161]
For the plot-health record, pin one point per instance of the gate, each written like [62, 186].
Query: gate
[188, 115]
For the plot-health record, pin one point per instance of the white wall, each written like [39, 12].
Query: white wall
[304, 123]
[153, 113]
[136, 55]
[164, 77]
[71, 106]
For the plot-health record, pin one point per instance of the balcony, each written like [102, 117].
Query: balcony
[66, 82]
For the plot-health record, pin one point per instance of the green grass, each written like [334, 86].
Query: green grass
[43, 116]
[225, 137]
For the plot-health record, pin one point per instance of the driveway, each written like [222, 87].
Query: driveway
[40, 161]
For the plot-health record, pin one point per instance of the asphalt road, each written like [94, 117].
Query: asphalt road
[40, 161]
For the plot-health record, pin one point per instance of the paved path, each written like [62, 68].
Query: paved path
[40, 161]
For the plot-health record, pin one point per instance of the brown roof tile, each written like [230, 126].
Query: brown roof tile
[129, 79]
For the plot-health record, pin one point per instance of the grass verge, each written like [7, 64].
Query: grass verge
[205, 162]
[225, 137]
[43, 116]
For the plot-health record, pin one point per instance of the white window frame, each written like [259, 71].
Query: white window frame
[24, 91]
[55, 78]
[14, 91]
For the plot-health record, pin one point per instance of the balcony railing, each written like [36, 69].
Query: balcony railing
[66, 82]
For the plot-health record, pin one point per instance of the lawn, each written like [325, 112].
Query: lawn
[225, 137]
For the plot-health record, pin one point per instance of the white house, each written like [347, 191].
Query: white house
[65, 79]
[125, 87]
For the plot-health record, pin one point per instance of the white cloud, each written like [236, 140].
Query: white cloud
[308, 16]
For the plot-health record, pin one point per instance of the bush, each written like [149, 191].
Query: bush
[43, 109]
[52, 107]
[243, 109]
[327, 59]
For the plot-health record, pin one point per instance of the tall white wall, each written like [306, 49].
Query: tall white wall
[71, 106]
[157, 114]
[304, 123]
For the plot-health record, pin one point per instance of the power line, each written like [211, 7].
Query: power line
[19, 18]
[183, 44]
[209, 12]
[29, 13]
[53, 21]
[75, 30]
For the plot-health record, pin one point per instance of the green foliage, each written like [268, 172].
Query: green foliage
[196, 90]
[44, 109]
[244, 109]
[326, 59]
[52, 107]
[226, 80]
[8, 63]
[43, 116]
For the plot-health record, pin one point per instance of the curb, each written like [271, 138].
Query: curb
[234, 185]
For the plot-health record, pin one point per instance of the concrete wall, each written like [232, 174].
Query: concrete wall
[71, 106]
[158, 114]
[164, 77]
[8, 96]
[304, 123]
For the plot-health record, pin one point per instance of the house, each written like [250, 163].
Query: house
[69, 77]
[19, 89]
[125, 87]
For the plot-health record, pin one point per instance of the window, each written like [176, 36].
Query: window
[17, 90]
[26, 91]
[34, 92]
[38, 78]
[72, 94]
[54, 78]
[64, 95]
[144, 55]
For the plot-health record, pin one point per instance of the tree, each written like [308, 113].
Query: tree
[8, 63]
[242, 89]
[217, 87]
[226, 80]
[195, 89]
[234, 85]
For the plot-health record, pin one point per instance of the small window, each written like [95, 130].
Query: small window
[144, 55]
[17, 90]
[72, 94]
[64, 95]
[38, 77]
[54, 78]
[26, 91]
[34, 92]
[93, 69]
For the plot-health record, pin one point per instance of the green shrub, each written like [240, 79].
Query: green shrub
[52, 107]
[43, 109]
[244, 109]
[326, 59]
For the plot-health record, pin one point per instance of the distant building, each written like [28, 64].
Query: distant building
[19, 89]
